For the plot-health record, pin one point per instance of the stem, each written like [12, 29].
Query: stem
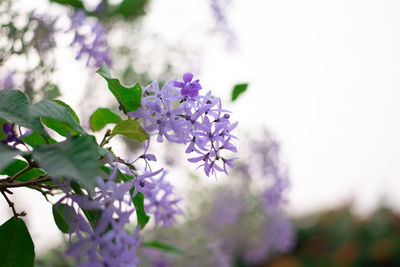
[40, 179]
[105, 140]
[10, 204]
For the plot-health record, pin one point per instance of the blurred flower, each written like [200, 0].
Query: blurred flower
[156, 258]
[277, 236]
[93, 45]
[43, 39]
[7, 82]
[162, 202]
[219, 11]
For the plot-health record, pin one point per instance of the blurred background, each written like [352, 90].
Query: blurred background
[318, 123]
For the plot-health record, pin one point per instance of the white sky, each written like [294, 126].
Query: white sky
[324, 78]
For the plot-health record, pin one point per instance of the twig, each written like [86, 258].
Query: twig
[40, 179]
[10, 204]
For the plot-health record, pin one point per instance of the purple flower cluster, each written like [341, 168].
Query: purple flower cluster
[273, 170]
[91, 44]
[106, 243]
[162, 202]
[277, 236]
[180, 114]
[160, 199]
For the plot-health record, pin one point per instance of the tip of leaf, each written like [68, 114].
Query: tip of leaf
[104, 70]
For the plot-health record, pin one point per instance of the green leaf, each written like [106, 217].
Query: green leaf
[101, 117]
[6, 157]
[130, 8]
[53, 92]
[128, 97]
[159, 245]
[18, 165]
[131, 129]
[120, 176]
[56, 117]
[14, 107]
[73, 113]
[3, 135]
[16, 246]
[238, 89]
[63, 217]
[73, 3]
[35, 139]
[75, 158]
[14, 167]
[59, 127]
[141, 215]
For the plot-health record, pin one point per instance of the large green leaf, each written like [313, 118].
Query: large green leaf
[14, 107]
[101, 117]
[56, 116]
[63, 217]
[16, 246]
[132, 130]
[75, 158]
[128, 97]
[238, 89]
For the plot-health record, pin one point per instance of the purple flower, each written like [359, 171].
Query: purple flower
[184, 116]
[12, 136]
[188, 88]
[142, 183]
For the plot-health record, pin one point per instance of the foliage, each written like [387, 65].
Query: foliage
[339, 238]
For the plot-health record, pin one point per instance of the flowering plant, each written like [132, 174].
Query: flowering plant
[101, 191]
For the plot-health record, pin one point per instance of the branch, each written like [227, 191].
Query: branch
[40, 179]
[11, 205]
